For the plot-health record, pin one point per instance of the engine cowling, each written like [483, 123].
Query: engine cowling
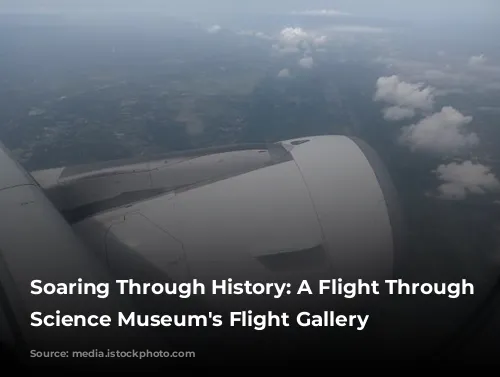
[324, 207]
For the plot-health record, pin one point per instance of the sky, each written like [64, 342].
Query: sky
[378, 8]
[409, 98]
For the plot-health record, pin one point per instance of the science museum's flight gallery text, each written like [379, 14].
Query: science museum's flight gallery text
[246, 318]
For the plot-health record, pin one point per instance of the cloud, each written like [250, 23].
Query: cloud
[321, 40]
[214, 29]
[441, 132]
[306, 62]
[284, 73]
[398, 113]
[402, 94]
[294, 40]
[462, 179]
[293, 35]
[321, 12]
[477, 60]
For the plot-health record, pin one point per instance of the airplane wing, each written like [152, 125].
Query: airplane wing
[37, 243]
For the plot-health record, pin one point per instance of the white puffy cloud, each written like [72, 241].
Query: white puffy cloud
[293, 35]
[462, 179]
[284, 73]
[398, 113]
[321, 12]
[452, 191]
[442, 132]
[403, 94]
[404, 97]
[321, 40]
[306, 62]
[214, 29]
[477, 60]
[293, 40]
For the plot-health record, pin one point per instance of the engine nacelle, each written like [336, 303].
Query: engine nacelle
[323, 207]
